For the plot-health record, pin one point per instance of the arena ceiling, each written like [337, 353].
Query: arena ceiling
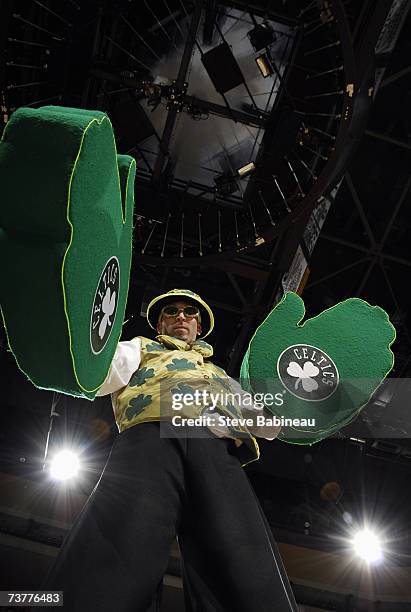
[239, 238]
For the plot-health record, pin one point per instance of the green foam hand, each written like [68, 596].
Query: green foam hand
[66, 210]
[325, 369]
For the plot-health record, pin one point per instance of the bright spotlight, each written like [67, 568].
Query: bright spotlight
[64, 465]
[367, 546]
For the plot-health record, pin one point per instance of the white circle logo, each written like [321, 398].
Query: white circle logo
[307, 372]
[104, 309]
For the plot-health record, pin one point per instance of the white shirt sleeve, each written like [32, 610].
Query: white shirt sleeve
[269, 432]
[125, 362]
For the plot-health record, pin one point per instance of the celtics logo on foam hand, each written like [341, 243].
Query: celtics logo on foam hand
[328, 365]
[104, 305]
[307, 372]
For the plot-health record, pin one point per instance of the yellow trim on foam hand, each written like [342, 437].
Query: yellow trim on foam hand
[123, 217]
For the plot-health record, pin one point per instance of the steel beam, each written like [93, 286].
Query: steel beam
[259, 119]
[395, 77]
[395, 212]
[346, 243]
[336, 272]
[95, 54]
[394, 299]
[394, 141]
[351, 245]
[360, 208]
[181, 77]
[239, 268]
[395, 259]
[266, 10]
[209, 21]
[366, 276]
[236, 288]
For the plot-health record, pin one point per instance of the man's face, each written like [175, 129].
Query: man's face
[180, 326]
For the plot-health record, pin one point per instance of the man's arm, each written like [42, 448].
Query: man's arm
[125, 362]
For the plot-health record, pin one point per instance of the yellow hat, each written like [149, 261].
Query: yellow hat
[157, 303]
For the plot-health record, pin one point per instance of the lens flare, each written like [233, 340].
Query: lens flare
[65, 465]
[367, 546]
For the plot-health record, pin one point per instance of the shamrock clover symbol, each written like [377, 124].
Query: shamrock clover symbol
[184, 389]
[139, 377]
[108, 306]
[137, 405]
[181, 364]
[303, 375]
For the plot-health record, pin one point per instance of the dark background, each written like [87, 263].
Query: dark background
[362, 250]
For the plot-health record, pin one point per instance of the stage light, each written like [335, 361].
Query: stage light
[264, 65]
[261, 36]
[244, 170]
[64, 465]
[367, 546]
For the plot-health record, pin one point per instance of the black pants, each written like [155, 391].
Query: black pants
[152, 489]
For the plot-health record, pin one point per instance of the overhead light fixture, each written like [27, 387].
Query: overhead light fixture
[244, 170]
[264, 64]
[261, 36]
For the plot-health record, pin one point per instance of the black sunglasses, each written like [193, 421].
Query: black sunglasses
[173, 311]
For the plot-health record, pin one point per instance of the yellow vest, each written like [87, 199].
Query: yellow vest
[169, 369]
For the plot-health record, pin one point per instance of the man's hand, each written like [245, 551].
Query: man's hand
[267, 431]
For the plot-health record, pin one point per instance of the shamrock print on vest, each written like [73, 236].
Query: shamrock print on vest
[137, 405]
[229, 407]
[181, 364]
[223, 382]
[184, 389]
[155, 346]
[140, 376]
[203, 344]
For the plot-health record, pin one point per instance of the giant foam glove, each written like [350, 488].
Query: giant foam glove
[66, 207]
[324, 369]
